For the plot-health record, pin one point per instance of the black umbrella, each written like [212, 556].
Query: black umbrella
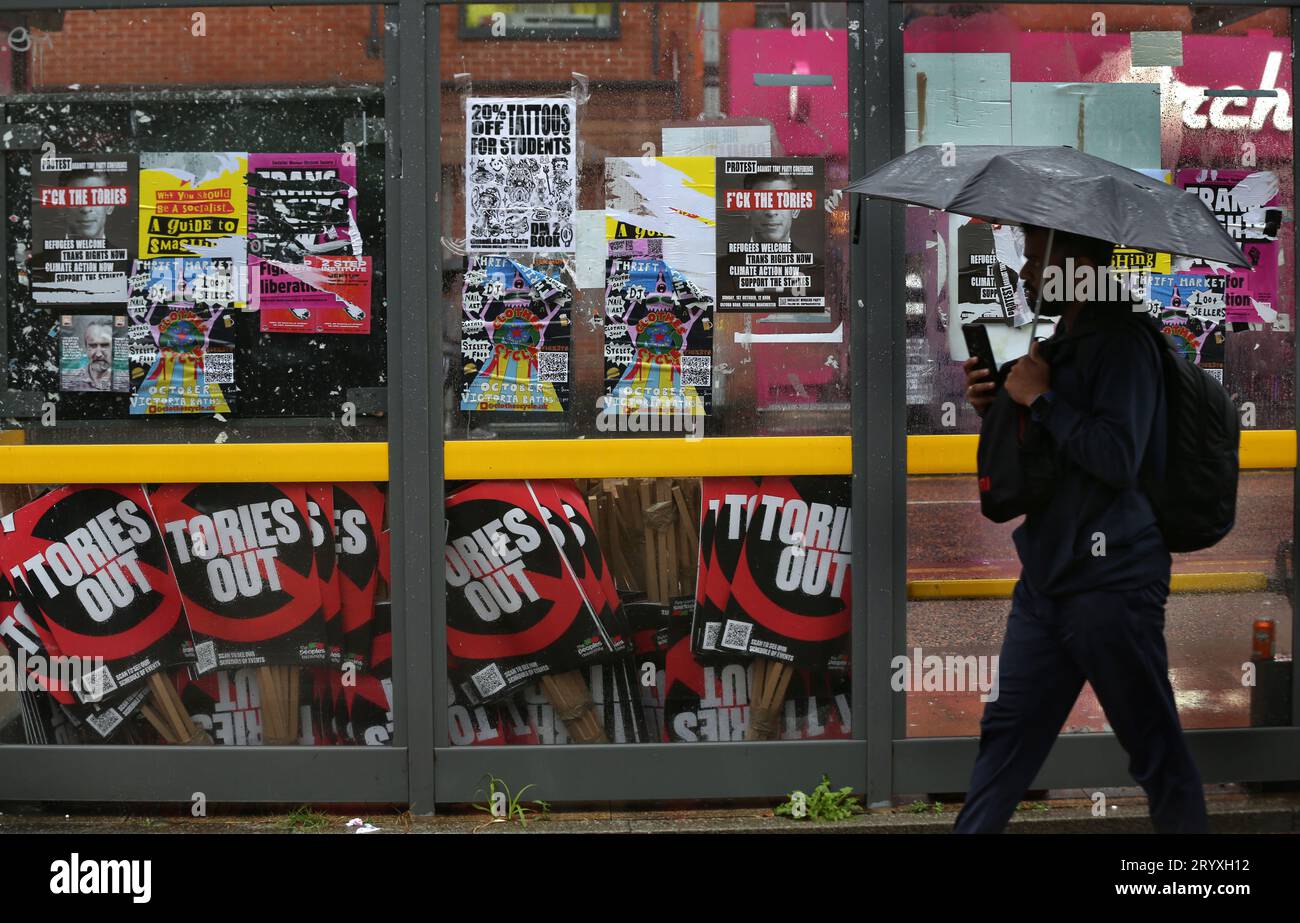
[1058, 188]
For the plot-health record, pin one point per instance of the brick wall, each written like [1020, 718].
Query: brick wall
[287, 46]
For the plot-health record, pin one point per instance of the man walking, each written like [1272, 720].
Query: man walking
[1090, 601]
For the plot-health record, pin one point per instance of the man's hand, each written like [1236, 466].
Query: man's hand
[979, 385]
[1029, 377]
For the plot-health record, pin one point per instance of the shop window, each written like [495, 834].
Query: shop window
[196, 245]
[1135, 85]
[691, 171]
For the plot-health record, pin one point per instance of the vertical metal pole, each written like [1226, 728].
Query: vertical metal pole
[414, 468]
[434, 312]
[1295, 418]
[878, 446]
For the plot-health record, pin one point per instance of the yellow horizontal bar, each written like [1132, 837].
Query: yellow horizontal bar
[955, 454]
[1001, 588]
[193, 462]
[646, 458]
[510, 458]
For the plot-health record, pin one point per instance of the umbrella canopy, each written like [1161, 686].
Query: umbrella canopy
[1055, 187]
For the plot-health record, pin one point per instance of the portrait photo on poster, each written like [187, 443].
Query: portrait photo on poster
[93, 353]
[771, 248]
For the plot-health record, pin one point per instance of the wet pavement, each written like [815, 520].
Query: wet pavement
[1208, 634]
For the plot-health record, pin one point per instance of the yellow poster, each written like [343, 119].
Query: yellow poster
[194, 205]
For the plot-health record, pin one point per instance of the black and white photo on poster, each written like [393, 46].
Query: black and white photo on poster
[83, 228]
[771, 234]
[520, 174]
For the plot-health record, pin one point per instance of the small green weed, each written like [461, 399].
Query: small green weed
[822, 804]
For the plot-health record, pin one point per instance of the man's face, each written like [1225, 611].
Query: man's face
[99, 350]
[1035, 268]
[773, 225]
[87, 221]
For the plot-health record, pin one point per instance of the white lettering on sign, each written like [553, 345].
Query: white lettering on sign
[1192, 99]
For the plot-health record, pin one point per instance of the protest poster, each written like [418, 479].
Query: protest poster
[196, 204]
[181, 352]
[672, 199]
[725, 507]
[789, 598]
[515, 335]
[246, 568]
[83, 229]
[714, 701]
[520, 174]
[658, 334]
[358, 523]
[324, 538]
[1248, 205]
[89, 566]
[514, 610]
[302, 205]
[985, 274]
[771, 234]
[225, 703]
[566, 514]
[93, 353]
[321, 294]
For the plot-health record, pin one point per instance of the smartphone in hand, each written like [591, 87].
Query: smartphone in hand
[979, 346]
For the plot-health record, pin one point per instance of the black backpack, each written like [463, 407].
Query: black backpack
[1195, 501]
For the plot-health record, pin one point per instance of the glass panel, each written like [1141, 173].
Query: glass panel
[196, 240]
[236, 615]
[650, 221]
[669, 610]
[1127, 83]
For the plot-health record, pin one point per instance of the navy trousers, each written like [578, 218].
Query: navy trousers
[1115, 640]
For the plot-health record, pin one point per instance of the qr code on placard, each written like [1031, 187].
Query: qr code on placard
[697, 371]
[489, 681]
[220, 368]
[1216, 374]
[206, 655]
[711, 632]
[554, 366]
[97, 684]
[736, 635]
[105, 722]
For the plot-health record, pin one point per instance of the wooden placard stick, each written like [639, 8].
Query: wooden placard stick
[653, 588]
[668, 531]
[687, 521]
[158, 723]
[295, 693]
[272, 732]
[571, 699]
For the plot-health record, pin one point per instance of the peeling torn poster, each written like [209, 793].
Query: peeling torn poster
[182, 352]
[302, 205]
[514, 341]
[323, 294]
[196, 205]
[658, 334]
[1248, 206]
[520, 174]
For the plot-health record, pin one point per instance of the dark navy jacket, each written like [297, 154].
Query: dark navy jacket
[1106, 413]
